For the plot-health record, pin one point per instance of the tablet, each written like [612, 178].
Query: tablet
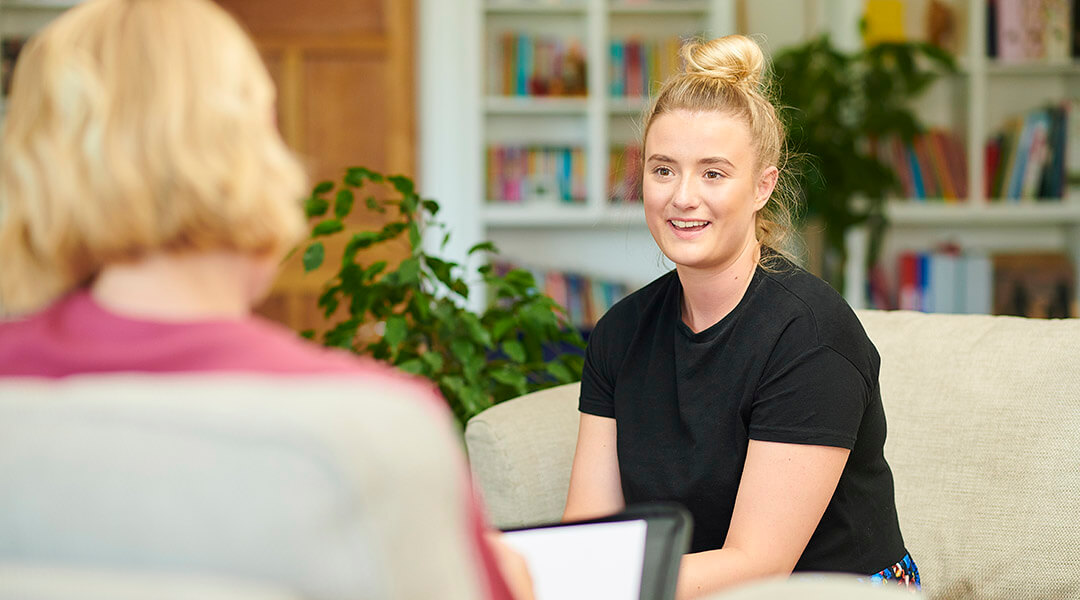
[633, 555]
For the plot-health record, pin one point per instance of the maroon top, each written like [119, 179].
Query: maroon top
[76, 335]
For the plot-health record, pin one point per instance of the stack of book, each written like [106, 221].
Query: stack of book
[942, 281]
[637, 65]
[624, 177]
[550, 174]
[1031, 157]
[1022, 31]
[1037, 284]
[932, 166]
[531, 65]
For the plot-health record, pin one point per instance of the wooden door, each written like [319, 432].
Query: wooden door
[344, 71]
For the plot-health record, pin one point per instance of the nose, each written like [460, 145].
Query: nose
[684, 195]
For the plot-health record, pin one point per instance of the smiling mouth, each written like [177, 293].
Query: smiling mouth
[681, 225]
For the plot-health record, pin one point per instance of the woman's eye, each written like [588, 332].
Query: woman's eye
[713, 175]
[663, 171]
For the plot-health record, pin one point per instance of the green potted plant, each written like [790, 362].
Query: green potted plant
[515, 346]
[836, 101]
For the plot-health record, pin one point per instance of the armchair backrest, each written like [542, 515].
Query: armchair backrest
[323, 488]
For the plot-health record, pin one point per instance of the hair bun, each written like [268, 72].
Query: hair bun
[734, 59]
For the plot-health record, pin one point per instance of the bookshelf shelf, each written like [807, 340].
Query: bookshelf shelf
[528, 105]
[1033, 69]
[515, 216]
[535, 8]
[654, 7]
[995, 214]
[498, 214]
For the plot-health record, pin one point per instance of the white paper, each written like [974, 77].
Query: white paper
[595, 560]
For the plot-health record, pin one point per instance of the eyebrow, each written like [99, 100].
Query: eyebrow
[709, 160]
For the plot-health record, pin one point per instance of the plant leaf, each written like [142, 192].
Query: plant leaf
[561, 373]
[460, 288]
[413, 365]
[313, 256]
[433, 360]
[391, 230]
[315, 207]
[440, 268]
[502, 327]
[342, 334]
[512, 378]
[402, 184]
[476, 331]
[414, 235]
[358, 242]
[323, 187]
[327, 227]
[355, 176]
[462, 350]
[483, 246]
[343, 203]
[396, 330]
[515, 350]
[409, 271]
[373, 270]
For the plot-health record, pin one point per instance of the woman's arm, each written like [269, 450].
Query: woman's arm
[783, 493]
[595, 488]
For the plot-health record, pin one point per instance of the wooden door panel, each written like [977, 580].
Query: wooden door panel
[344, 72]
[310, 17]
[345, 120]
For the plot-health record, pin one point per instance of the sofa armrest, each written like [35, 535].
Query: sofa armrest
[521, 451]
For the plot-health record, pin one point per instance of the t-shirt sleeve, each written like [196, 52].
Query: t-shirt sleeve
[816, 398]
[598, 376]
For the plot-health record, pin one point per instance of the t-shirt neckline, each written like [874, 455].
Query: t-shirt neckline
[713, 330]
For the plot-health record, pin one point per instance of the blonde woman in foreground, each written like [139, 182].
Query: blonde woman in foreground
[146, 198]
[738, 384]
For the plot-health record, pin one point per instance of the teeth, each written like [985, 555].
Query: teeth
[688, 224]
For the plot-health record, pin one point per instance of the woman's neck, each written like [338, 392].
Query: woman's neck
[710, 294]
[183, 287]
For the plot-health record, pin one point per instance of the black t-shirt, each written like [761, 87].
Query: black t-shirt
[791, 363]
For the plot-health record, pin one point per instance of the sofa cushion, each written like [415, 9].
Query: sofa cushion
[984, 443]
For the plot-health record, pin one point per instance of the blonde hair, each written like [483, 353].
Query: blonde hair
[138, 126]
[730, 75]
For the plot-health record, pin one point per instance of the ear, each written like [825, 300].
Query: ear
[766, 183]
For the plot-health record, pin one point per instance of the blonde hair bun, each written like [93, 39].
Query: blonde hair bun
[734, 59]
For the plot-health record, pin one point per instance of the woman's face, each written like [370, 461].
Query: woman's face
[701, 188]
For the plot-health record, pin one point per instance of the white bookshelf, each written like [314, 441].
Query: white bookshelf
[460, 117]
[976, 102]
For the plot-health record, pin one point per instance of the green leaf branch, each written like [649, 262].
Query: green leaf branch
[511, 348]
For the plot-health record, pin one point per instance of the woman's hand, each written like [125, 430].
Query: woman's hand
[514, 569]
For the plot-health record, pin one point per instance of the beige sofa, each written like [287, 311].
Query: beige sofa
[984, 443]
[228, 487]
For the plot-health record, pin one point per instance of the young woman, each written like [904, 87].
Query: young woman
[146, 198]
[737, 384]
